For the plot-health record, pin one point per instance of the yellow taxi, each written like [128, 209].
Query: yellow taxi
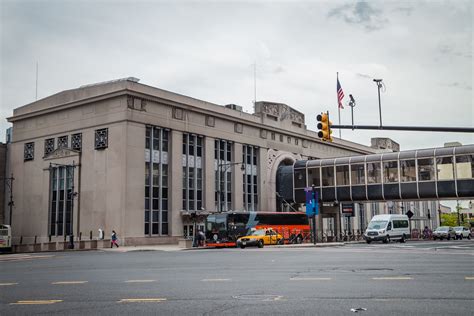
[259, 238]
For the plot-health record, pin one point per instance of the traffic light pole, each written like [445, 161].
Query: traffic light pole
[409, 128]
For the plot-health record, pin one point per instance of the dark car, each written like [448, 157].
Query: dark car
[444, 232]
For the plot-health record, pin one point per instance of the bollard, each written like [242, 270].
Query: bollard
[49, 237]
[71, 242]
[90, 235]
[80, 236]
[21, 240]
[35, 239]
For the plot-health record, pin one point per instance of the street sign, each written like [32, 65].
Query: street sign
[348, 209]
[410, 214]
[312, 205]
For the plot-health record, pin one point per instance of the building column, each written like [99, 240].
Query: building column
[209, 176]
[265, 190]
[175, 178]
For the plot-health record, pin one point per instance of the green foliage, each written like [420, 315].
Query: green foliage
[451, 219]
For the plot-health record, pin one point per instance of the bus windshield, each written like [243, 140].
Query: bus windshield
[377, 224]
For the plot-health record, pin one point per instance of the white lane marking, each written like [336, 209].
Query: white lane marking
[140, 281]
[36, 302]
[68, 282]
[392, 278]
[310, 279]
[215, 280]
[7, 284]
[142, 300]
[469, 278]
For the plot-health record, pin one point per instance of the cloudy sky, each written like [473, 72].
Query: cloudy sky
[206, 49]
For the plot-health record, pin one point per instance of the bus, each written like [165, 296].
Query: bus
[5, 238]
[223, 229]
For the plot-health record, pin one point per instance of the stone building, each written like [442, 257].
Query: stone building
[137, 159]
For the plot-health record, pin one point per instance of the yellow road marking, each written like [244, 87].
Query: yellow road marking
[6, 284]
[69, 282]
[393, 278]
[469, 278]
[36, 302]
[310, 279]
[140, 281]
[142, 300]
[214, 280]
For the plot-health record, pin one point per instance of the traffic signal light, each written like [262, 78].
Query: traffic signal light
[324, 126]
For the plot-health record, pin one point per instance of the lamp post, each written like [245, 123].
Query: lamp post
[221, 169]
[9, 184]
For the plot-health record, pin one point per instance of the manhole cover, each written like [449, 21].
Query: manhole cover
[259, 297]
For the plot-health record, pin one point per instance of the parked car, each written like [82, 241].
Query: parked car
[444, 232]
[462, 232]
[259, 238]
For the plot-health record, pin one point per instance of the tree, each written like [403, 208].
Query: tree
[450, 219]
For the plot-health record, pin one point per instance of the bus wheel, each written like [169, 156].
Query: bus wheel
[299, 239]
[281, 241]
[403, 239]
[260, 244]
[368, 241]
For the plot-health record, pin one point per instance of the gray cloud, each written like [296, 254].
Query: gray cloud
[360, 13]
[458, 85]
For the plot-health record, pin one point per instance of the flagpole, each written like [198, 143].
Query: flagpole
[338, 107]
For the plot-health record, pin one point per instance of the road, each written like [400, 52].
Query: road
[416, 278]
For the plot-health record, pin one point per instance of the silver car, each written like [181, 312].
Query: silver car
[462, 232]
[444, 232]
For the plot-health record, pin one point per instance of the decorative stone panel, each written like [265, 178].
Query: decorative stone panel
[263, 133]
[238, 128]
[178, 113]
[210, 121]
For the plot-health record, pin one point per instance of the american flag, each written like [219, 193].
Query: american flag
[340, 94]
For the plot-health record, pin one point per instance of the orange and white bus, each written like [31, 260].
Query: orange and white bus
[223, 229]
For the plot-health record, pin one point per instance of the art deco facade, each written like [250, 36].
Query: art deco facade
[137, 159]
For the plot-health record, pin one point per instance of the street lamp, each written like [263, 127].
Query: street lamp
[221, 169]
[9, 184]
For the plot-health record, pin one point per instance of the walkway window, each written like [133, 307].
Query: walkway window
[407, 171]
[357, 174]
[328, 176]
[445, 168]
[314, 177]
[373, 173]
[342, 175]
[390, 173]
[156, 181]
[426, 169]
[250, 177]
[192, 172]
[300, 179]
[465, 167]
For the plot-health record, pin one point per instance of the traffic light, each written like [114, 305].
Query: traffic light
[324, 126]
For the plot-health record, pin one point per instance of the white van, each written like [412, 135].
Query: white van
[387, 227]
[5, 238]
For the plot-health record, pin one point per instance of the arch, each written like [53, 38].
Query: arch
[275, 158]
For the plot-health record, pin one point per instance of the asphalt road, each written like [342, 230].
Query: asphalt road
[416, 278]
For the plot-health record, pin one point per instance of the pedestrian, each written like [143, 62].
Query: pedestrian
[114, 240]
[202, 238]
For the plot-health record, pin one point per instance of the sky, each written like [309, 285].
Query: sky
[207, 50]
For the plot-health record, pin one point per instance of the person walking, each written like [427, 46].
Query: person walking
[114, 240]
